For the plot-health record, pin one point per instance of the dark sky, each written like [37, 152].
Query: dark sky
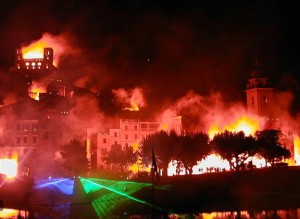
[166, 47]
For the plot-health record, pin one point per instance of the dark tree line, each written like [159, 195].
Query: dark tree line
[235, 147]
[186, 150]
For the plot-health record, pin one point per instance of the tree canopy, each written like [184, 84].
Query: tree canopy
[163, 145]
[75, 157]
[270, 147]
[120, 157]
[234, 147]
[190, 149]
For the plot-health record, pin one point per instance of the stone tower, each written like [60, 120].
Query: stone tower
[260, 96]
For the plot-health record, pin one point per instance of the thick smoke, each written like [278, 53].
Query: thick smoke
[130, 99]
[166, 49]
[200, 113]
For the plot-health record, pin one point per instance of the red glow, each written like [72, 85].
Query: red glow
[35, 49]
[248, 124]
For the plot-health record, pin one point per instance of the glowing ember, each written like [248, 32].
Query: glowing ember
[35, 89]
[249, 125]
[9, 167]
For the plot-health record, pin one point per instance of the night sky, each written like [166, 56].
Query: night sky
[165, 47]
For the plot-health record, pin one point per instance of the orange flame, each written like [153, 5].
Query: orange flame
[35, 89]
[134, 107]
[36, 48]
[134, 97]
[34, 51]
[249, 125]
[214, 163]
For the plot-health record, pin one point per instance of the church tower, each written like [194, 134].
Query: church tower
[260, 96]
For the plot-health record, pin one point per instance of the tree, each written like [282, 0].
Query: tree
[75, 157]
[190, 149]
[269, 145]
[163, 145]
[234, 147]
[120, 157]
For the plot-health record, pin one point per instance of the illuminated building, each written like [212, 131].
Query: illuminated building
[32, 130]
[131, 132]
[34, 63]
[39, 72]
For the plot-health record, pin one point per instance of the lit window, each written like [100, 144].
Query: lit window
[33, 64]
[39, 63]
[27, 63]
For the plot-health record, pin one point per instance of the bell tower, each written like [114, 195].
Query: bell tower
[260, 96]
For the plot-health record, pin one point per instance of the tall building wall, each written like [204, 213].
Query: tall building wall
[131, 132]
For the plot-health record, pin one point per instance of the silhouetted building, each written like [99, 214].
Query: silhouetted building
[261, 100]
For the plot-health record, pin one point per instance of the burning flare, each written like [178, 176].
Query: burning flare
[9, 167]
[35, 89]
[297, 149]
